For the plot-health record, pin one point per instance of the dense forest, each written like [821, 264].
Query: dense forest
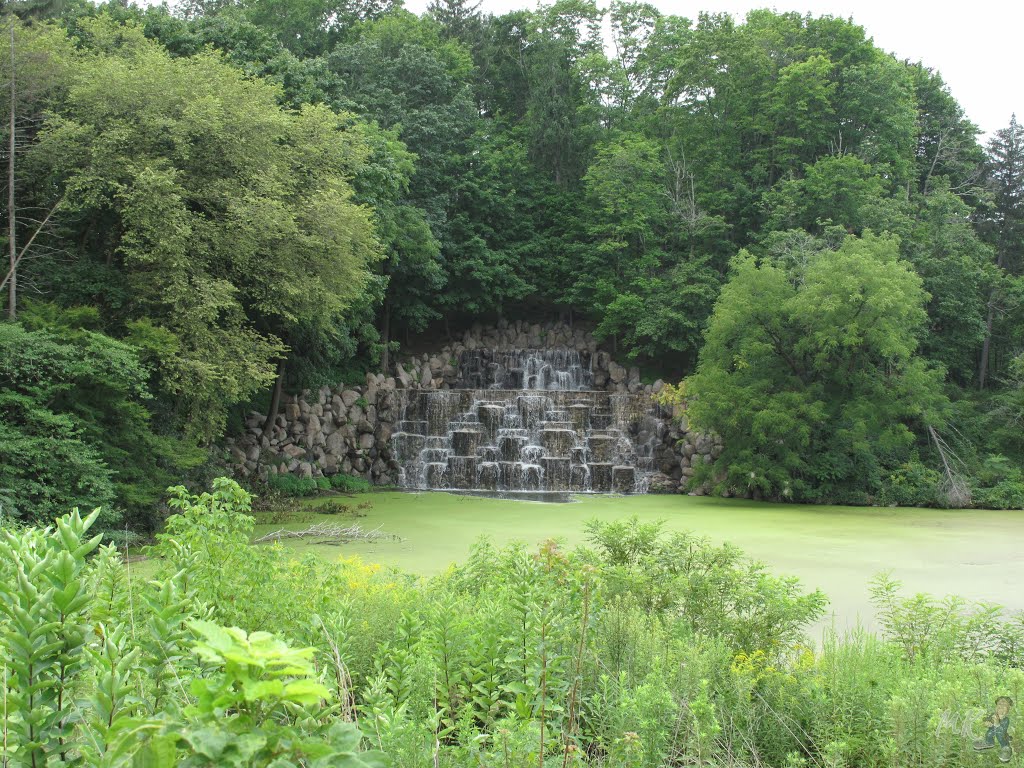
[803, 229]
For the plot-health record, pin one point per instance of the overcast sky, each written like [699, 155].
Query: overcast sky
[977, 46]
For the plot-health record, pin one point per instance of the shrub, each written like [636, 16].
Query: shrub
[1002, 484]
[911, 485]
[1007, 494]
[290, 485]
[350, 483]
[82, 687]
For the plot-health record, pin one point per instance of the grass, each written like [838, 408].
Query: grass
[837, 549]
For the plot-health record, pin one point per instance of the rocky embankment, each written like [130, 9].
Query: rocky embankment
[441, 369]
[348, 428]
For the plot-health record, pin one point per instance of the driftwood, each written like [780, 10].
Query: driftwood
[954, 488]
[329, 533]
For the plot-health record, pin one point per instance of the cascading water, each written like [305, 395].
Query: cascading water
[524, 421]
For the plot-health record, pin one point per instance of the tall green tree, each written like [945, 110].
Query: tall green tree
[811, 375]
[207, 222]
[1005, 225]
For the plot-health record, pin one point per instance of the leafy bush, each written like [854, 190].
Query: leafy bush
[1002, 484]
[79, 688]
[290, 485]
[911, 485]
[74, 427]
[350, 483]
[1006, 494]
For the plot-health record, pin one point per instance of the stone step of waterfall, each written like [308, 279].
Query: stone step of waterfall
[488, 475]
[520, 476]
[579, 477]
[623, 479]
[465, 441]
[511, 447]
[465, 426]
[558, 442]
[557, 473]
[557, 425]
[600, 477]
[407, 446]
[602, 447]
[435, 455]
[435, 475]
[461, 471]
[531, 454]
[412, 427]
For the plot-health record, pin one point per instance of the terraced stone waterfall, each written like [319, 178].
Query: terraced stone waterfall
[526, 421]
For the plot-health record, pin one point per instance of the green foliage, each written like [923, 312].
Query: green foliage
[81, 685]
[1001, 484]
[810, 373]
[214, 226]
[293, 486]
[720, 594]
[928, 629]
[911, 485]
[74, 424]
[275, 181]
[44, 633]
[628, 654]
[349, 483]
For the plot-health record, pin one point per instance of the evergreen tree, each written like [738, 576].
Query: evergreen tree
[1005, 224]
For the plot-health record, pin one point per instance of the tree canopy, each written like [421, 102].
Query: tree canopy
[265, 195]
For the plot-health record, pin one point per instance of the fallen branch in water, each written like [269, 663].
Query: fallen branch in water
[329, 533]
[954, 488]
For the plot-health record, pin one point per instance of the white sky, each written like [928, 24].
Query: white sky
[976, 46]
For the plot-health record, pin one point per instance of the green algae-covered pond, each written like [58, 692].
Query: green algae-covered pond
[975, 553]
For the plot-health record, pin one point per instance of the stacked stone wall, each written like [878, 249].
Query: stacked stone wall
[348, 428]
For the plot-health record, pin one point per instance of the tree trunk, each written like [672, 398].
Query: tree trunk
[983, 370]
[385, 335]
[12, 286]
[987, 344]
[275, 400]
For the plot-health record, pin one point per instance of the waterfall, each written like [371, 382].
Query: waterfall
[524, 421]
[547, 369]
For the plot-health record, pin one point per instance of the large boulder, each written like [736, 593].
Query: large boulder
[293, 451]
[336, 443]
[661, 483]
[404, 379]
